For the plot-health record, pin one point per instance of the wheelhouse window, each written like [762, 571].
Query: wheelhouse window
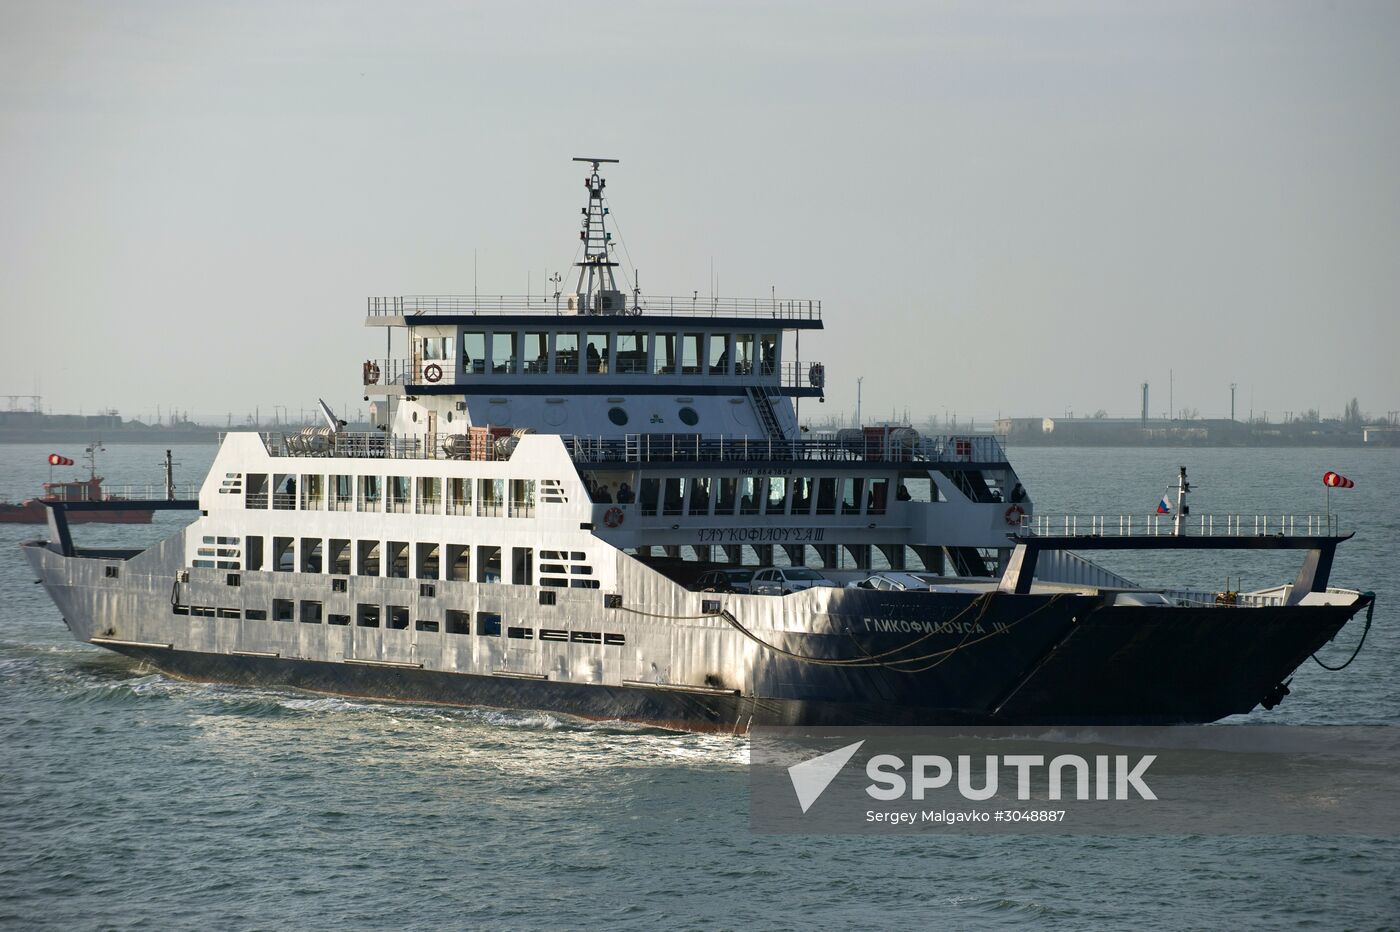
[437, 348]
[743, 354]
[505, 352]
[693, 354]
[768, 353]
[666, 353]
[566, 357]
[474, 352]
[632, 352]
[597, 352]
[536, 353]
[719, 354]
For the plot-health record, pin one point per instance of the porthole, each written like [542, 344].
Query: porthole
[449, 417]
[689, 417]
[415, 417]
[617, 416]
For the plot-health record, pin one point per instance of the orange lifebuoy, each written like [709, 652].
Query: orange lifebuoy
[613, 517]
[432, 372]
[1014, 514]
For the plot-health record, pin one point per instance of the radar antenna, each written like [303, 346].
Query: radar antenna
[596, 291]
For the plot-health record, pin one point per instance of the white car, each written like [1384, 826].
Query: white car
[781, 580]
[890, 582]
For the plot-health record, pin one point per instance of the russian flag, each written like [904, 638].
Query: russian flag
[1164, 507]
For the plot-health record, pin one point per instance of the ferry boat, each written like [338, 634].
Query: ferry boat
[550, 479]
[74, 494]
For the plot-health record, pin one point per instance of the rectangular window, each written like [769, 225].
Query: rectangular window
[337, 619]
[284, 492]
[110, 572]
[255, 614]
[370, 494]
[719, 354]
[583, 584]
[801, 495]
[473, 352]
[282, 610]
[851, 491]
[548, 598]
[693, 354]
[492, 495]
[585, 637]
[397, 617]
[651, 493]
[367, 616]
[728, 496]
[700, 495]
[424, 624]
[488, 564]
[878, 496]
[673, 497]
[566, 353]
[233, 579]
[665, 346]
[368, 557]
[522, 498]
[397, 559]
[505, 352]
[743, 354]
[597, 352]
[342, 493]
[522, 566]
[488, 624]
[536, 353]
[428, 563]
[429, 496]
[311, 555]
[616, 640]
[254, 558]
[255, 492]
[458, 622]
[313, 492]
[459, 497]
[826, 496]
[338, 558]
[768, 353]
[397, 490]
[283, 554]
[748, 496]
[553, 634]
[459, 562]
[230, 613]
[205, 611]
[632, 352]
[427, 590]
[523, 634]
[311, 613]
[777, 495]
[340, 585]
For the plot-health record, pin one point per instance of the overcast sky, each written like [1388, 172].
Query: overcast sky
[1006, 208]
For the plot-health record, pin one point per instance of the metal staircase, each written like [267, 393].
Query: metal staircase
[761, 398]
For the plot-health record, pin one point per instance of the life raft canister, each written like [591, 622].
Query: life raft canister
[432, 372]
[1014, 514]
[371, 372]
[613, 517]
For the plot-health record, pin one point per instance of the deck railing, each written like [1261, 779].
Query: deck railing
[666, 306]
[1201, 525]
[411, 371]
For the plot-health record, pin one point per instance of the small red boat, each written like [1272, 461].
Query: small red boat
[32, 511]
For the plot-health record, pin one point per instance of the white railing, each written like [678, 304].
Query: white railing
[1202, 525]
[685, 306]
[148, 493]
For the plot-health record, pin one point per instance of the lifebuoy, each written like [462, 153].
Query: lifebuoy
[613, 517]
[816, 375]
[432, 372]
[371, 372]
[1014, 514]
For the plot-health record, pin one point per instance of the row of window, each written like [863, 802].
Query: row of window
[399, 559]
[424, 495]
[539, 352]
[762, 495]
[396, 617]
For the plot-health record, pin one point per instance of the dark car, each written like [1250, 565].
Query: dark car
[724, 581]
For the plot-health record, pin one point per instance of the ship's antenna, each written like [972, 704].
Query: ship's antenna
[597, 284]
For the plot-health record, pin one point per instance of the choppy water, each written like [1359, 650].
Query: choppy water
[130, 800]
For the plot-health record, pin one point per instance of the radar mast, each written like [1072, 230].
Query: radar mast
[596, 291]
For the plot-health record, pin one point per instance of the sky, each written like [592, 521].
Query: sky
[1006, 208]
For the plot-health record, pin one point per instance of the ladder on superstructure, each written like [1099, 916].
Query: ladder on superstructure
[761, 397]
